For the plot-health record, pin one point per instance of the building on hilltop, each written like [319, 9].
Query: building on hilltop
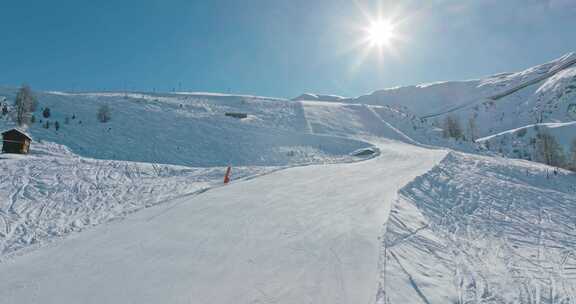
[16, 141]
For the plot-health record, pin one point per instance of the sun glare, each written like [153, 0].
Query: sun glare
[380, 33]
[380, 37]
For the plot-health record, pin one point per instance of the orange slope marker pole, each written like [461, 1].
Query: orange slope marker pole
[227, 176]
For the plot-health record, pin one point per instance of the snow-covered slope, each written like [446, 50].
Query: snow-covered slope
[521, 142]
[547, 82]
[484, 108]
[88, 172]
[52, 192]
[483, 230]
[473, 228]
[552, 99]
[302, 235]
[149, 131]
[255, 240]
[185, 129]
[357, 121]
[319, 97]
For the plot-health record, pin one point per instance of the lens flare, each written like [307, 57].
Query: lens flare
[380, 33]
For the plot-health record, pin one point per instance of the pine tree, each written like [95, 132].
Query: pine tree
[46, 112]
[548, 150]
[573, 155]
[104, 114]
[452, 128]
[472, 129]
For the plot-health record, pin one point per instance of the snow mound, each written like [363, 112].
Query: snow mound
[319, 97]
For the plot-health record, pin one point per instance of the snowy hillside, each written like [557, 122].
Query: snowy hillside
[87, 172]
[488, 107]
[135, 210]
[522, 142]
[552, 99]
[394, 228]
[184, 129]
[547, 83]
[53, 192]
[263, 236]
[319, 97]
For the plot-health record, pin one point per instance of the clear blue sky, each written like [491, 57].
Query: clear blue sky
[272, 47]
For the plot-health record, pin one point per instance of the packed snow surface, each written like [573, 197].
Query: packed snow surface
[52, 192]
[302, 235]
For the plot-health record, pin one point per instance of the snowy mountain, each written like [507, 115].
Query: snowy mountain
[135, 210]
[527, 94]
[490, 107]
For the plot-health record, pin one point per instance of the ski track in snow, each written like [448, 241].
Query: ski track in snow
[494, 230]
[310, 237]
[51, 195]
[305, 234]
[54, 191]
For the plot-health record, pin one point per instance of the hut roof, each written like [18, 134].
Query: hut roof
[19, 131]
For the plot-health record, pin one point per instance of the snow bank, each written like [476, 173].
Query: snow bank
[480, 229]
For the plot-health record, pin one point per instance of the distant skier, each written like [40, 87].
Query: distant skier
[227, 175]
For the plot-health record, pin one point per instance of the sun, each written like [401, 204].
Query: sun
[379, 37]
[380, 33]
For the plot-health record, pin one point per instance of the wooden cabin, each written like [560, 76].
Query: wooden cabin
[15, 141]
[236, 115]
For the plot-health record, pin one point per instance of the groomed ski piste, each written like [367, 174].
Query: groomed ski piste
[134, 210]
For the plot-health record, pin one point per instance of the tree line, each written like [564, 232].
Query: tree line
[26, 104]
[546, 148]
